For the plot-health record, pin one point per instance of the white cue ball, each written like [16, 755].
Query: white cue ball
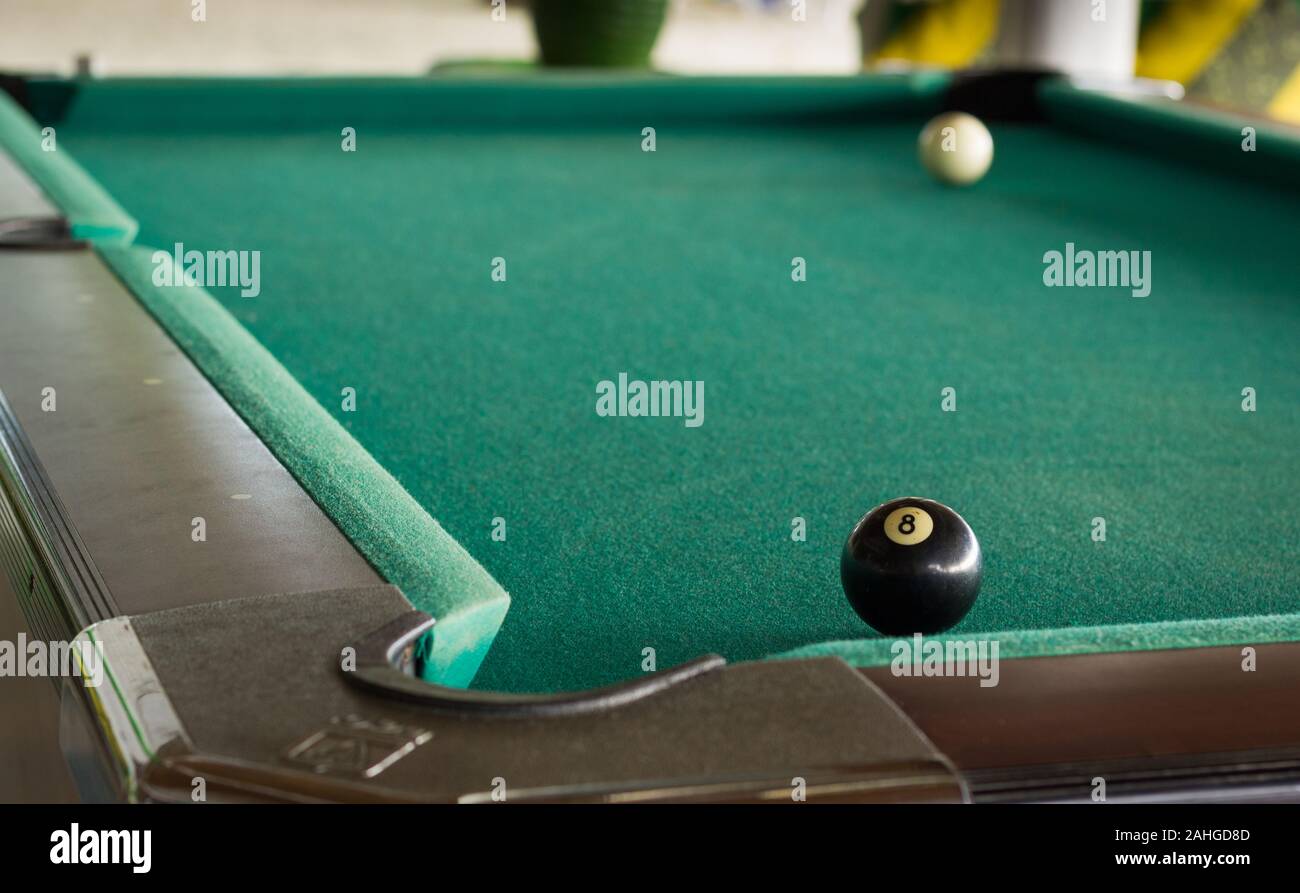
[956, 148]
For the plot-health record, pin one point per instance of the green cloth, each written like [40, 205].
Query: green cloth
[822, 397]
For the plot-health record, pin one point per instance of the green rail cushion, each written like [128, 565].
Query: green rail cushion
[1176, 130]
[90, 210]
[549, 100]
[1259, 630]
[390, 528]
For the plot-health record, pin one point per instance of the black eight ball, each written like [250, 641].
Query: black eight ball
[911, 565]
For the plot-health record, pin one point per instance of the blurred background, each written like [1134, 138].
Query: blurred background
[1238, 53]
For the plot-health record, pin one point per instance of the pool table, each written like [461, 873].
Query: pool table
[301, 430]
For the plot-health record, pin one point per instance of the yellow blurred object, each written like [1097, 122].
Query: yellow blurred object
[1285, 105]
[949, 35]
[1182, 40]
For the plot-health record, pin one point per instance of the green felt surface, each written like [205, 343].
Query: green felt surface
[822, 398]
